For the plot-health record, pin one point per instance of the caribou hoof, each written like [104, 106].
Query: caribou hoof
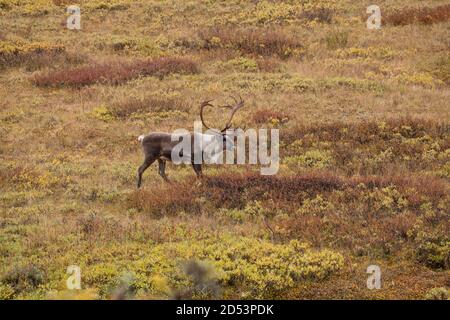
[198, 183]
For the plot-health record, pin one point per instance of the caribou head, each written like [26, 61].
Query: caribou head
[227, 141]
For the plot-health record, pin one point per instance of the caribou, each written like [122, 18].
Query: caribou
[162, 146]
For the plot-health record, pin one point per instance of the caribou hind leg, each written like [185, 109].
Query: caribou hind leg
[162, 169]
[147, 162]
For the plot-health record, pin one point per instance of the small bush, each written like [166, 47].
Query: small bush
[434, 253]
[336, 40]
[239, 64]
[23, 278]
[204, 283]
[312, 159]
[102, 113]
[422, 79]
[387, 199]
[266, 116]
[316, 206]
[6, 292]
[437, 294]
[163, 200]
[27, 178]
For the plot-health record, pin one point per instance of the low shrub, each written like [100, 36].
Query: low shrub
[6, 292]
[336, 40]
[35, 54]
[254, 268]
[102, 113]
[441, 69]
[423, 15]
[438, 294]
[317, 206]
[311, 159]
[383, 53]
[307, 13]
[239, 64]
[165, 200]
[423, 79]
[434, 252]
[264, 42]
[267, 116]
[323, 15]
[301, 84]
[114, 72]
[22, 278]
[133, 105]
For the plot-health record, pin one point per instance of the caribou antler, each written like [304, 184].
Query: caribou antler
[202, 106]
[238, 104]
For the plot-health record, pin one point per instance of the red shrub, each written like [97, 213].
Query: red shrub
[231, 190]
[115, 72]
[164, 199]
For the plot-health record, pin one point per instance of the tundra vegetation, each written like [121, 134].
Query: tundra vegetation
[364, 142]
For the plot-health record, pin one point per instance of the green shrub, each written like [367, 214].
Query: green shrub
[22, 278]
[102, 113]
[6, 292]
[387, 199]
[434, 252]
[260, 268]
[316, 206]
[312, 159]
[437, 294]
[239, 64]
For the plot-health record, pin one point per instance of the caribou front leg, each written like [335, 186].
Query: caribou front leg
[198, 170]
